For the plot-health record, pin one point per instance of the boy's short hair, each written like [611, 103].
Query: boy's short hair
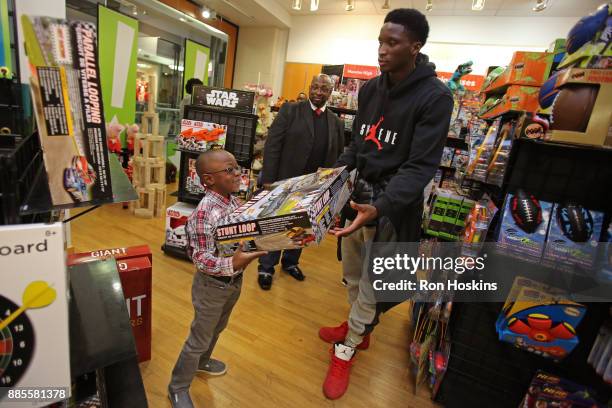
[190, 84]
[205, 158]
[414, 22]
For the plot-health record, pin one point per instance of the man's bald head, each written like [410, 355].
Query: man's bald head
[320, 89]
[212, 161]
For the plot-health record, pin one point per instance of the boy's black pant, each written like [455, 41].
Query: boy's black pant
[213, 302]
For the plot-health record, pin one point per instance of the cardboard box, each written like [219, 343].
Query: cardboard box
[525, 68]
[198, 136]
[563, 253]
[117, 253]
[598, 131]
[519, 243]
[176, 221]
[34, 343]
[135, 272]
[557, 391]
[296, 212]
[516, 98]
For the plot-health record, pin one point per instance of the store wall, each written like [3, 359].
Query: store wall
[261, 54]
[452, 40]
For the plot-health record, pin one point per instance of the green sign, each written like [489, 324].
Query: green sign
[5, 38]
[197, 57]
[118, 48]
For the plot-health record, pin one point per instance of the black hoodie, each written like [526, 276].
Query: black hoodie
[398, 138]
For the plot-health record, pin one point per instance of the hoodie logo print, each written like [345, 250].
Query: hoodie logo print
[372, 134]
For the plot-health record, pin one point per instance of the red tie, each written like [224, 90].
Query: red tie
[318, 112]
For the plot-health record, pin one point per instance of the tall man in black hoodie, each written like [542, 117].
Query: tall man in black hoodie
[398, 136]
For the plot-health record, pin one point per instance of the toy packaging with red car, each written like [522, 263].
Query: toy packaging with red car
[200, 136]
[67, 97]
[296, 212]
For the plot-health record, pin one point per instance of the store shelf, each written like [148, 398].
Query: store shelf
[447, 168]
[506, 112]
[456, 143]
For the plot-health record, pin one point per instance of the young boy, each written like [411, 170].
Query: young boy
[218, 279]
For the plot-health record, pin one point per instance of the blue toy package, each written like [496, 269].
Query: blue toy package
[523, 227]
[573, 238]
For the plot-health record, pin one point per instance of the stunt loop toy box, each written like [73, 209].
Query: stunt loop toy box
[296, 212]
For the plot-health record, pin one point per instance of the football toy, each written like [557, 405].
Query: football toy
[548, 91]
[576, 222]
[572, 107]
[526, 211]
[586, 28]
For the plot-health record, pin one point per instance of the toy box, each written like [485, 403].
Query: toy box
[447, 157]
[295, 213]
[200, 136]
[34, 330]
[516, 98]
[597, 132]
[552, 391]
[460, 159]
[134, 265]
[604, 270]
[539, 319]
[573, 237]
[453, 207]
[517, 240]
[176, 221]
[526, 68]
[435, 220]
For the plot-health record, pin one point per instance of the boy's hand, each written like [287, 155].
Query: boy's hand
[336, 227]
[242, 259]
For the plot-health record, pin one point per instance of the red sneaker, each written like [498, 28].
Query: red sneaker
[339, 371]
[338, 334]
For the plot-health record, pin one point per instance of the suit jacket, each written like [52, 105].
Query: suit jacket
[290, 141]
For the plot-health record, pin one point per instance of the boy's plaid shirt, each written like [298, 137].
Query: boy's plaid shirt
[206, 255]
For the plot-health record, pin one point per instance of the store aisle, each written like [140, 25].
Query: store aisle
[274, 356]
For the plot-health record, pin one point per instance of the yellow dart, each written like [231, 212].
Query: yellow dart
[37, 294]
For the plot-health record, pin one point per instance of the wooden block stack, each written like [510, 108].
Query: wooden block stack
[149, 175]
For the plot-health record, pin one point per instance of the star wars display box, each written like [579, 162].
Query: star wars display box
[295, 213]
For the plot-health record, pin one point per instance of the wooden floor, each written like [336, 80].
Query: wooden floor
[274, 356]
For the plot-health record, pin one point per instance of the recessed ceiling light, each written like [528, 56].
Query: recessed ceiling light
[429, 5]
[182, 19]
[478, 5]
[314, 5]
[350, 5]
[540, 5]
[296, 4]
[206, 13]
[134, 10]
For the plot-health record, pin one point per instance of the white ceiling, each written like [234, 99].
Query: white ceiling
[507, 8]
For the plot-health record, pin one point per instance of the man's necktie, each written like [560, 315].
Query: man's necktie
[318, 112]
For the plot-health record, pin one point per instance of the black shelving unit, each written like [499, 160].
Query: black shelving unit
[482, 370]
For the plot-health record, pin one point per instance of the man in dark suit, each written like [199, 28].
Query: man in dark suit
[303, 137]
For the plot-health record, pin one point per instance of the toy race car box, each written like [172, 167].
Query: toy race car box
[198, 136]
[552, 391]
[296, 212]
[540, 319]
[176, 221]
[573, 238]
[524, 224]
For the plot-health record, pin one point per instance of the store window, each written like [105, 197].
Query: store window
[161, 43]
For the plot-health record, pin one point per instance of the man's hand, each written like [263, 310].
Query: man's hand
[365, 214]
[242, 259]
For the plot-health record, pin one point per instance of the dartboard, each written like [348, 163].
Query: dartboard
[16, 345]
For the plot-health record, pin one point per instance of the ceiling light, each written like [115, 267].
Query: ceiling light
[182, 19]
[385, 5]
[540, 5]
[350, 5]
[206, 13]
[296, 4]
[478, 5]
[314, 5]
[134, 10]
[429, 5]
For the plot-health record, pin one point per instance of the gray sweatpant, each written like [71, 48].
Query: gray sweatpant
[364, 313]
[213, 302]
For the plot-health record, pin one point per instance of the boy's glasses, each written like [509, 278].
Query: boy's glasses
[228, 171]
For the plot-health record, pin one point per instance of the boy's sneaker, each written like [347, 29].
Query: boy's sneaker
[180, 399]
[338, 334]
[264, 279]
[339, 371]
[213, 367]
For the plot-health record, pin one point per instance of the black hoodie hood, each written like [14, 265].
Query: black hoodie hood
[399, 134]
